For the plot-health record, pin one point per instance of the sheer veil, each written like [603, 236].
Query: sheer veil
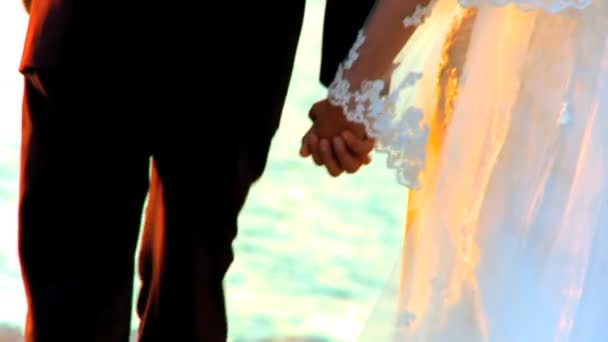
[451, 82]
[378, 81]
[437, 47]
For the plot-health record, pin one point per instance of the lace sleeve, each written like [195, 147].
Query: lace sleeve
[370, 85]
[361, 86]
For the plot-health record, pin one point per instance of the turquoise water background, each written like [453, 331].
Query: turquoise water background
[313, 252]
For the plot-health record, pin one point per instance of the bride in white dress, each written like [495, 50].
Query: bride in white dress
[497, 119]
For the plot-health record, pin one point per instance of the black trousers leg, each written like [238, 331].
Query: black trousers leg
[210, 148]
[84, 174]
[191, 222]
[186, 251]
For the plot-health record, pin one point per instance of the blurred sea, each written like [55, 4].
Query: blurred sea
[313, 252]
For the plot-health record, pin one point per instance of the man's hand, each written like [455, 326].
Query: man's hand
[335, 142]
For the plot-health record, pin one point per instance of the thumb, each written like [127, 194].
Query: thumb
[304, 150]
[309, 143]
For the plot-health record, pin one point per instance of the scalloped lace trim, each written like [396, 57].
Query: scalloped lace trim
[421, 13]
[400, 135]
[552, 6]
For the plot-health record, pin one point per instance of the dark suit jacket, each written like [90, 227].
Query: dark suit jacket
[47, 33]
[62, 31]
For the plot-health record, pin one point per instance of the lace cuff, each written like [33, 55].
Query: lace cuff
[361, 82]
[361, 87]
[402, 136]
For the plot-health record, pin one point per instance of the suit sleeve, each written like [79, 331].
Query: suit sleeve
[342, 21]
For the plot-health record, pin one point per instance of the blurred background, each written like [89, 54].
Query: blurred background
[313, 252]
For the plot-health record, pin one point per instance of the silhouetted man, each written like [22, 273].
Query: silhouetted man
[200, 89]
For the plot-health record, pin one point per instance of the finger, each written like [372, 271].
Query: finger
[316, 157]
[304, 150]
[308, 143]
[312, 141]
[366, 160]
[347, 161]
[313, 146]
[360, 147]
[328, 159]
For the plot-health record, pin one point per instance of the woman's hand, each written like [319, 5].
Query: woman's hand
[330, 121]
[335, 142]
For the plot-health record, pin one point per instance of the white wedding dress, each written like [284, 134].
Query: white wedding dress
[497, 117]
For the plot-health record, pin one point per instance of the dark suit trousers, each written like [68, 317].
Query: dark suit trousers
[85, 176]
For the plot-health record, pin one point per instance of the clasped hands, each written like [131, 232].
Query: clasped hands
[334, 142]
